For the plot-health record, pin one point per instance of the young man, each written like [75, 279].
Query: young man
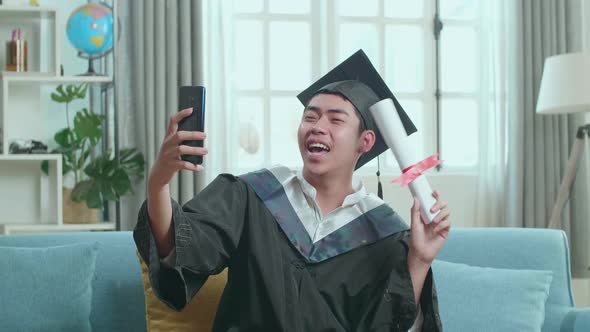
[306, 251]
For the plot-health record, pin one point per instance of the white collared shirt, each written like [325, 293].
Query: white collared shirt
[302, 196]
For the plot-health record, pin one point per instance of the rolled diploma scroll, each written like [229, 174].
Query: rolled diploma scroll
[404, 150]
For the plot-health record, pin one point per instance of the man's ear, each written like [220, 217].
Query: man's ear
[367, 140]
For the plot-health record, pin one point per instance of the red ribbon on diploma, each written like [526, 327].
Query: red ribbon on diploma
[412, 172]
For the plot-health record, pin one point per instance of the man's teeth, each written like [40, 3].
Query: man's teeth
[319, 145]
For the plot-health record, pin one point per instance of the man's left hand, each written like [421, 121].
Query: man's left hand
[426, 240]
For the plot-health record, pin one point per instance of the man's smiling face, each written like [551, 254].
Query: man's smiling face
[329, 135]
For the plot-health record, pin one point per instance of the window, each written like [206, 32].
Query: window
[461, 82]
[396, 37]
[273, 57]
[282, 46]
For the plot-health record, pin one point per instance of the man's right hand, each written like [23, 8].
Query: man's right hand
[165, 167]
[168, 162]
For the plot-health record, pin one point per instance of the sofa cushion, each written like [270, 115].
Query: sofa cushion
[489, 299]
[117, 293]
[197, 316]
[47, 289]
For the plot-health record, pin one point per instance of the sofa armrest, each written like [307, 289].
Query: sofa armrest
[577, 320]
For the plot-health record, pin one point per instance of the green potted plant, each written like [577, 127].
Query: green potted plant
[97, 177]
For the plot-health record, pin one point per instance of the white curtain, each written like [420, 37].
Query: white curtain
[218, 41]
[499, 47]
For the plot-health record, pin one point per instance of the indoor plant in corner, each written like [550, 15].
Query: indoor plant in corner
[97, 177]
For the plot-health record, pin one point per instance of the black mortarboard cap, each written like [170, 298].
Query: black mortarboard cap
[359, 81]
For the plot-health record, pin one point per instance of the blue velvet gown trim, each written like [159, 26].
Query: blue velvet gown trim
[374, 225]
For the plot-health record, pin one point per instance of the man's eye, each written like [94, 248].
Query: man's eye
[337, 120]
[309, 118]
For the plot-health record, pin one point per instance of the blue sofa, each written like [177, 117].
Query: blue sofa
[118, 303]
[524, 248]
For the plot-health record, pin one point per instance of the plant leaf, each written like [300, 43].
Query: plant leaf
[121, 182]
[95, 168]
[60, 90]
[57, 98]
[110, 178]
[64, 138]
[81, 93]
[67, 147]
[80, 191]
[93, 198]
[108, 192]
[71, 92]
[83, 158]
[61, 95]
[88, 125]
[132, 162]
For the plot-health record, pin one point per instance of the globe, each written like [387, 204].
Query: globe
[90, 31]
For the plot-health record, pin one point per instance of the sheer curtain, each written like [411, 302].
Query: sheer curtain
[499, 45]
[524, 155]
[164, 45]
[218, 41]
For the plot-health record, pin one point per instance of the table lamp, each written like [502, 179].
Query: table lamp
[565, 89]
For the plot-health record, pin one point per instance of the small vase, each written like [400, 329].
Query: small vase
[77, 213]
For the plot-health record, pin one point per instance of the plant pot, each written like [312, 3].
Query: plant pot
[77, 213]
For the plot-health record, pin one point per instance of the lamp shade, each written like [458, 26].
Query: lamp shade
[565, 86]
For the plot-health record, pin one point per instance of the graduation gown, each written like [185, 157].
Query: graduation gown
[354, 279]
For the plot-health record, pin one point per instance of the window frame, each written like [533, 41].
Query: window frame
[325, 24]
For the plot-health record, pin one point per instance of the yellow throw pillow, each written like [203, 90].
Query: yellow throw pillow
[197, 316]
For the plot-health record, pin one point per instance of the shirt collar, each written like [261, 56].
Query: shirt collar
[357, 186]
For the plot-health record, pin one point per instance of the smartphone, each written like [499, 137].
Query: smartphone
[192, 96]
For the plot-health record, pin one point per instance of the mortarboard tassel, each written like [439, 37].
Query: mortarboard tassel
[379, 186]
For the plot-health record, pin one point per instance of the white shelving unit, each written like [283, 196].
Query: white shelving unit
[30, 201]
[27, 194]
[20, 103]
[44, 53]
[37, 228]
[29, 77]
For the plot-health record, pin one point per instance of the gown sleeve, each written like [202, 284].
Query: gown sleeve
[394, 307]
[207, 230]
[401, 289]
[429, 305]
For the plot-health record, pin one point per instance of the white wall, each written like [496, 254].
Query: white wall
[458, 190]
